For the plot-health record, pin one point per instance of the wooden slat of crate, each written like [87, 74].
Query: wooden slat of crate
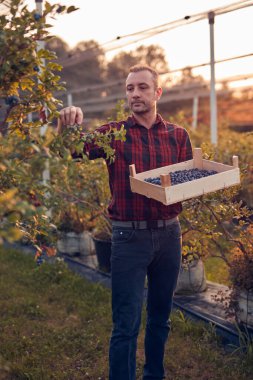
[227, 176]
[217, 166]
[165, 170]
[148, 189]
[202, 186]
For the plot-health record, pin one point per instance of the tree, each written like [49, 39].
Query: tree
[118, 67]
[58, 46]
[90, 69]
[188, 77]
[153, 55]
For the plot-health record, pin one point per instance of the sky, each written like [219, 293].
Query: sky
[187, 45]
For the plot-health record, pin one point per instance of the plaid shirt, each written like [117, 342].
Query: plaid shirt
[163, 144]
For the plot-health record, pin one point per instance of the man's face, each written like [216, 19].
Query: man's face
[141, 92]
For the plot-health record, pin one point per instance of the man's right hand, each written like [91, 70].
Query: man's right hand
[69, 116]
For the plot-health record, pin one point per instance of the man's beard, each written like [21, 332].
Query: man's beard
[140, 110]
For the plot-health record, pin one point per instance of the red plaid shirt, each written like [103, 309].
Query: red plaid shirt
[163, 144]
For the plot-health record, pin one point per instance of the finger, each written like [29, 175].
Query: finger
[62, 117]
[71, 115]
[79, 116]
[65, 115]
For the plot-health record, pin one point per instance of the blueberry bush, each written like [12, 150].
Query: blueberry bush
[32, 203]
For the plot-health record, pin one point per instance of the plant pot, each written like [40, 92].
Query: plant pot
[103, 252]
[192, 279]
[75, 244]
[244, 313]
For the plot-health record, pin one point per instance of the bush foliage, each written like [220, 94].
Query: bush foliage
[39, 180]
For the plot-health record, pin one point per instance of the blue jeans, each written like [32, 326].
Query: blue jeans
[135, 254]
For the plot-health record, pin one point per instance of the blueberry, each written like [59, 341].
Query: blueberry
[14, 67]
[36, 68]
[181, 176]
[12, 100]
[60, 9]
[36, 16]
[23, 62]
[39, 261]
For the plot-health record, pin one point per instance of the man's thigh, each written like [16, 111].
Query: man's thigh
[163, 271]
[131, 255]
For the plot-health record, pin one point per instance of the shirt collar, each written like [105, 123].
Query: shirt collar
[131, 121]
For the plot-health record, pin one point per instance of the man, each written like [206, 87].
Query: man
[146, 237]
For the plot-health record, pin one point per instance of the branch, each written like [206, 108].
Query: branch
[219, 222]
[221, 252]
[98, 210]
[229, 237]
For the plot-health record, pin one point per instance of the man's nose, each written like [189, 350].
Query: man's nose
[135, 93]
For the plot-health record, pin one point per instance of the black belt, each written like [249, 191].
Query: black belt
[144, 224]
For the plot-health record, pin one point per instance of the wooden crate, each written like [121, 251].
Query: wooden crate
[167, 194]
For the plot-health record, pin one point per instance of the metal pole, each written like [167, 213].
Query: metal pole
[39, 6]
[69, 99]
[41, 45]
[213, 103]
[195, 112]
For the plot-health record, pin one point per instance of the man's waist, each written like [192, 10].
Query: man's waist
[144, 224]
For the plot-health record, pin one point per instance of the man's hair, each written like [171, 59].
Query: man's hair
[155, 75]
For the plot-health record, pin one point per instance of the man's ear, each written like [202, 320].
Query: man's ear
[159, 92]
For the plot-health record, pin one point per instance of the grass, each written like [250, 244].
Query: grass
[56, 325]
[216, 270]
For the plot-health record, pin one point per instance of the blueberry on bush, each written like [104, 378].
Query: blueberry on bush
[14, 67]
[12, 100]
[36, 16]
[23, 62]
[39, 261]
[60, 9]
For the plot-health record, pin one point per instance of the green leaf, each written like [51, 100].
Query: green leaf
[72, 8]
[48, 7]
[43, 53]
[54, 66]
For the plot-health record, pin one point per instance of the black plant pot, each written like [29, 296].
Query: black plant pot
[103, 252]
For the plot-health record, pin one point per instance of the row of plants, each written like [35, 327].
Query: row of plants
[219, 225]
[40, 183]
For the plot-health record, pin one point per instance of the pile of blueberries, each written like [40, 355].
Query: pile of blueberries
[181, 176]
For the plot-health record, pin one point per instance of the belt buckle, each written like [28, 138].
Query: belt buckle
[152, 224]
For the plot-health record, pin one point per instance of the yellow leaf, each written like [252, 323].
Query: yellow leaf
[8, 195]
[14, 233]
